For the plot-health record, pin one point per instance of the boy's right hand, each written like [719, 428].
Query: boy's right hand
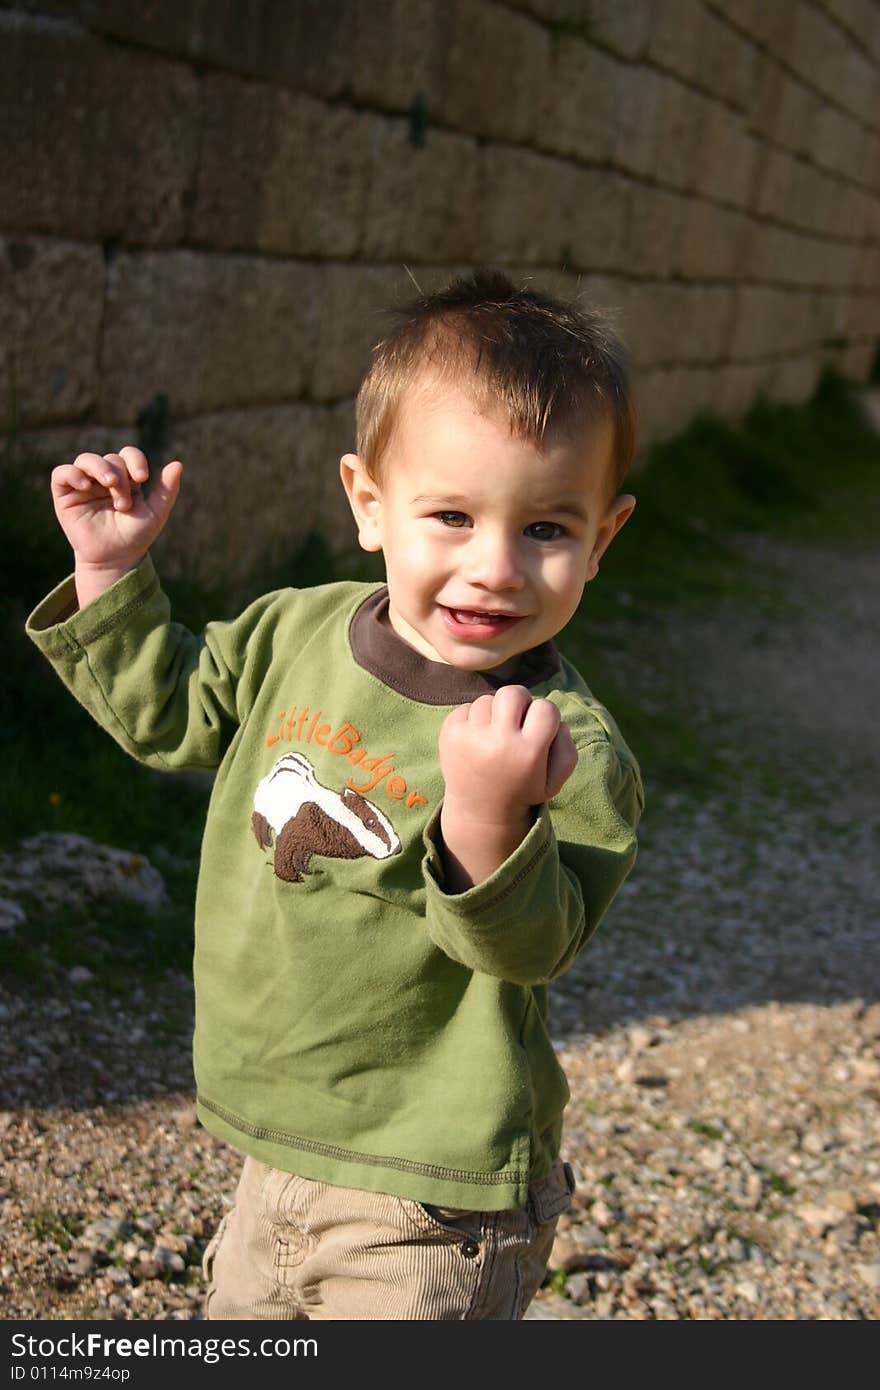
[108, 521]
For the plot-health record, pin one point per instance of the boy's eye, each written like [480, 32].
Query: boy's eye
[544, 531]
[452, 518]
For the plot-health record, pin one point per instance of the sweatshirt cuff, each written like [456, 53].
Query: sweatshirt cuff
[58, 625]
[494, 890]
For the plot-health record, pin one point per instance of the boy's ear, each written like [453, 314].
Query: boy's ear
[365, 500]
[618, 513]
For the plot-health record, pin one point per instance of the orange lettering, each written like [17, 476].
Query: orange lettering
[344, 742]
[347, 739]
[379, 767]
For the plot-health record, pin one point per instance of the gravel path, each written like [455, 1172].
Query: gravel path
[721, 1035]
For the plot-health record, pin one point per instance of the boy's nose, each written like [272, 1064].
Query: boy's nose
[492, 562]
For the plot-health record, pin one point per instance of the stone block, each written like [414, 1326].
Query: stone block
[490, 70]
[335, 521]
[857, 360]
[654, 230]
[70, 12]
[475, 65]
[539, 210]
[870, 175]
[819, 202]
[774, 191]
[659, 127]
[254, 486]
[863, 315]
[793, 379]
[351, 320]
[306, 46]
[212, 331]
[737, 388]
[728, 156]
[52, 445]
[870, 225]
[771, 25]
[839, 264]
[731, 65]
[422, 201]
[98, 142]
[849, 214]
[581, 101]
[859, 17]
[833, 331]
[799, 195]
[785, 110]
[866, 274]
[524, 205]
[831, 316]
[828, 58]
[672, 324]
[841, 144]
[639, 99]
[279, 172]
[595, 220]
[769, 322]
[669, 398]
[683, 118]
[51, 308]
[711, 242]
[778, 255]
[398, 55]
[679, 37]
[621, 26]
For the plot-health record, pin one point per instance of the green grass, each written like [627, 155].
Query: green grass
[809, 473]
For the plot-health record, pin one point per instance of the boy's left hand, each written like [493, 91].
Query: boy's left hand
[500, 756]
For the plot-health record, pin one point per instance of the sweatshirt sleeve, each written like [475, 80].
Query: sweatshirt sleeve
[527, 921]
[171, 699]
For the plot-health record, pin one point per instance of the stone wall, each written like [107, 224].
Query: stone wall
[213, 199]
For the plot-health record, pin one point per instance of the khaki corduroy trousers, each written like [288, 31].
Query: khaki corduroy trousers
[296, 1249]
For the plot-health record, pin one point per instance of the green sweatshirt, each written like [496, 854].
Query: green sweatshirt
[355, 1023]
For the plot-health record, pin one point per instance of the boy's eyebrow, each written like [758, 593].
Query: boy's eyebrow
[442, 497]
[570, 506]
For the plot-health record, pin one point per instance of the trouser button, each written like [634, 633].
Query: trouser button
[469, 1248]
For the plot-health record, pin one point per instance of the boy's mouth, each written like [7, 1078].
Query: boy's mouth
[477, 622]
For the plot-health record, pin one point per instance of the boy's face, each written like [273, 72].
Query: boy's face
[488, 541]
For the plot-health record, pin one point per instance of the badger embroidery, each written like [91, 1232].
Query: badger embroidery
[307, 818]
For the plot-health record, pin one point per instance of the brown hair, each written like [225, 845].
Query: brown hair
[554, 367]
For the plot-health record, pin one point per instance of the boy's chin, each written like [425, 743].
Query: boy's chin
[477, 659]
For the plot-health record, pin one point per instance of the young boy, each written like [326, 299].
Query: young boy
[419, 816]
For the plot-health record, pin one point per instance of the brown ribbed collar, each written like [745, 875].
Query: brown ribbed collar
[381, 651]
